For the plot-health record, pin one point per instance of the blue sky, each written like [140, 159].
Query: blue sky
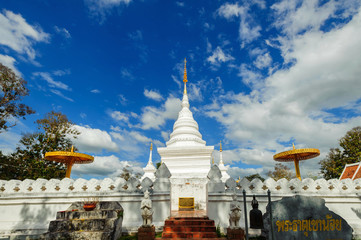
[262, 75]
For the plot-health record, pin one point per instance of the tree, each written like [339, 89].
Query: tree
[253, 176]
[12, 90]
[54, 133]
[281, 171]
[335, 161]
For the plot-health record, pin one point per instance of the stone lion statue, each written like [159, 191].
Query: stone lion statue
[234, 212]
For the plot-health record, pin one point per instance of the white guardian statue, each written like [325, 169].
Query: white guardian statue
[146, 209]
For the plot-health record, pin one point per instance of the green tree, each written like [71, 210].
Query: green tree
[281, 171]
[253, 176]
[12, 90]
[54, 134]
[350, 152]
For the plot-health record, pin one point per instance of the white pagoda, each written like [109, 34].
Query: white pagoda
[187, 158]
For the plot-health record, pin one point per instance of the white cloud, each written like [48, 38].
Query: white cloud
[132, 144]
[119, 116]
[60, 73]
[180, 4]
[60, 94]
[178, 82]
[250, 77]
[218, 57]
[18, 35]
[10, 63]
[297, 103]
[237, 172]
[122, 99]
[125, 73]
[94, 140]
[263, 61]
[101, 8]
[152, 94]
[153, 118]
[230, 11]
[105, 166]
[165, 135]
[95, 91]
[9, 139]
[293, 17]
[50, 80]
[248, 30]
[136, 36]
[62, 31]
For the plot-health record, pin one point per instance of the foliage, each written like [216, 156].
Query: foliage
[157, 165]
[129, 237]
[218, 231]
[281, 171]
[253, 176]
[54, 133]
[12, 90]
[350, 152]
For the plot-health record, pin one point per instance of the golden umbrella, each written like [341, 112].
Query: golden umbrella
[69, 159]
[297, 155]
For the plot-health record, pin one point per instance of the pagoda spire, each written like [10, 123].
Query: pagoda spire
[149, 170]
[220, 154]
[150, 162]
[185, 80]
[185, 129]
[221, 166]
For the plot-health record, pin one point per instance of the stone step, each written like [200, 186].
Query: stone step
[217, 238]
[82, 225]
[189, 218]
[186, 222]
[81, 214]
[84, 235]
[193, 228]
[189, 235]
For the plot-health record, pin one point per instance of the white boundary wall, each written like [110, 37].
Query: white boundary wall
[28, 206]
[342, 197]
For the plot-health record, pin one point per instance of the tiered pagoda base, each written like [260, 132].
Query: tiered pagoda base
[104, 222]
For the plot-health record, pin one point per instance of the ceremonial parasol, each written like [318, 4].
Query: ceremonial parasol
[69, 159]
[297, 155]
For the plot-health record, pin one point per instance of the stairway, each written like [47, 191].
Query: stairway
[104, 222]
[189, 228]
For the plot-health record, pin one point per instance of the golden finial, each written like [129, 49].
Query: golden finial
[151, 146]
[185, 80]
[220, 148]
[72, 148]
[293, 144]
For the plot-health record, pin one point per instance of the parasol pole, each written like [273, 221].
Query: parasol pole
[69, 165]
[297, 168]
[297, 164]
[68, 169]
